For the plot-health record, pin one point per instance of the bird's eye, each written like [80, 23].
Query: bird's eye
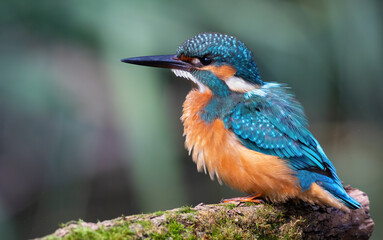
[205, 60]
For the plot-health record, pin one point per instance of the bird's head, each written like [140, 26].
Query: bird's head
[215, 61]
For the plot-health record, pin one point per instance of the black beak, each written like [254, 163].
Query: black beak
[162, 61]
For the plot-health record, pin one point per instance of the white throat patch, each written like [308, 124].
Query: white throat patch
[188, 75]
[237, 84]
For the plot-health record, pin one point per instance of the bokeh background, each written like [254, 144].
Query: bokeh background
[83, 136]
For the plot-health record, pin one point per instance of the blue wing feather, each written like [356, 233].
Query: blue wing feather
[271, 121]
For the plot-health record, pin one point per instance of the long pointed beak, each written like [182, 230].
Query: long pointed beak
[162, 61]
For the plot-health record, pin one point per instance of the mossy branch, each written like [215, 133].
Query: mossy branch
[231, 221]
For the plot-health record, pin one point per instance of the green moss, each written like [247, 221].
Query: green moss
[190, 217]
[225, 227]
[272, 224]
[52, 237]
[249, 204]
[178, 230]
[230, 205]
[266, 223]
[173, 228]
[226, 221]
[144, 223]
[158, 213]
[186, 209]
[121, 231]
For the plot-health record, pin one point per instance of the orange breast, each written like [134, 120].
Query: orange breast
[217, 150]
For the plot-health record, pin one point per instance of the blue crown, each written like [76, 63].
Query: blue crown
[222, 48]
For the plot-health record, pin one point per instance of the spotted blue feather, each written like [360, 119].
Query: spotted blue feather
[271, 121]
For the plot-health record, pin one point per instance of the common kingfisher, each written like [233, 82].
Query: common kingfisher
[249, 133]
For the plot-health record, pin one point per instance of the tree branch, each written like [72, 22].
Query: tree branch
[290, 220]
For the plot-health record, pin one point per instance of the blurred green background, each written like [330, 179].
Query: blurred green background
[85, 136]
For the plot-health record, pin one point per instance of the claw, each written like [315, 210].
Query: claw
[254, 198]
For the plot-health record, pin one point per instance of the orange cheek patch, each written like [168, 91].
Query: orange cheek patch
[223, 72]
[186, 59]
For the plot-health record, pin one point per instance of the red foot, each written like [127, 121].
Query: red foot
[254, 198]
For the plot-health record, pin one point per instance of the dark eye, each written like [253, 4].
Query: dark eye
[205, 60]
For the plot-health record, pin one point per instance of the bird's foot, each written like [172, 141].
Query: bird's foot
[254, 198]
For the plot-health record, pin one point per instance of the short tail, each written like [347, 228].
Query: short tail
[338, 191]
[334, 185]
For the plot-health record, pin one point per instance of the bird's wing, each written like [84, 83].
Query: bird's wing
[271, 121]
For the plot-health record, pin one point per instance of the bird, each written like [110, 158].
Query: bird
[248, 133]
